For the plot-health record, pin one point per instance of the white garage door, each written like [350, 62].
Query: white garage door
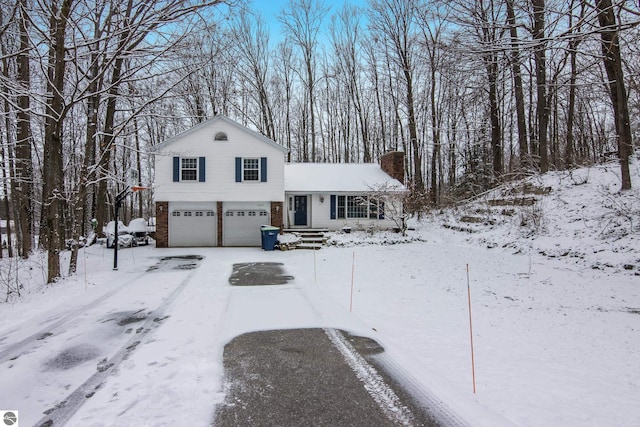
[241, 227]
[193, 227]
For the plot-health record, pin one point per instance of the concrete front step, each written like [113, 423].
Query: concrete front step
[313, 239]
[310, 238]
[311, 246]
[306, 230]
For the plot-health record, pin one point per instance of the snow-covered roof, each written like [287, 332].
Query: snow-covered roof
[339, 177]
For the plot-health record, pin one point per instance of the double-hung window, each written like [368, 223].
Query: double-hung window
[188, 169]
[251, 169]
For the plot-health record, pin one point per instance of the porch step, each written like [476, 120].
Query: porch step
[314, 239]
[311, 246]
[306, 230]
[310, 238]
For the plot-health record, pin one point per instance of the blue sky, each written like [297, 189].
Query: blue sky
[270, 9]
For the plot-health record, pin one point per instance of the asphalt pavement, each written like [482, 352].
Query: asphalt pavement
[309, 377]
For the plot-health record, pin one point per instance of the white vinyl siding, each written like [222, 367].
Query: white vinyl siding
[220, 167]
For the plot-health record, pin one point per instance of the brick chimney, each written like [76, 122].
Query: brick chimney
[393, 164]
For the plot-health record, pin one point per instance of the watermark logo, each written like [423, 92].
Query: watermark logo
[9, 418]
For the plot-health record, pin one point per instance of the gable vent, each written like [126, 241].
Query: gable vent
[220, 136]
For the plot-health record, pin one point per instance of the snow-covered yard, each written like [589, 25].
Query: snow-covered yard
[556, 317]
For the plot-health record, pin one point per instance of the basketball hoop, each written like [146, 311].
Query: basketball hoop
[133, 177]
[135, 188]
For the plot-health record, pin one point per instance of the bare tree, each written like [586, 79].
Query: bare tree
[394, 21]
[252, 45]
[542, 105]
[7, 136]
[573, 54]
[53, 181]
[617, 90]
[346, 38]
[19, 161]
[518, 92]
[302, 20]
[433, 25]
[390, 203]
[88, 60]
[285, 81]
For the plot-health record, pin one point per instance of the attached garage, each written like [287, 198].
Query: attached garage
[241, 225]
[192, 225]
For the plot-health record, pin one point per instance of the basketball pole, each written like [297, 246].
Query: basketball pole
[119, 199]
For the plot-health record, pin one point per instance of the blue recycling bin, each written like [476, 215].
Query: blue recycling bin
[269, 237]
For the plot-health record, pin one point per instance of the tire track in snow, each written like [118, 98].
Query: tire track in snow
[63, 411]
[427, 401]
[388, 401]
[375, 385]
[434, 405]
[23, 346]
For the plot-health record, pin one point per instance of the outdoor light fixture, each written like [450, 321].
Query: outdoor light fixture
[321, 199]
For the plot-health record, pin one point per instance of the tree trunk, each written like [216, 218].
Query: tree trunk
[494, 113]
[53, 184]
[418, 182]
[617, 90]
[138, 167]
[106, 142]
[568, 149]
[542, 111]
[435, 133]
[88, 170]
[518, 91]
[23, 188]
[312, 110]
[8, 159]
[7, 208]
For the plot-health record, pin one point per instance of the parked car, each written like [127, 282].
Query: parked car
[139, 229]
[125, 239]
[71, 242]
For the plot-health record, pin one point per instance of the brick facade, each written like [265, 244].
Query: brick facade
[277, 214]
[219, 215]
[162, 224]
[393, 164]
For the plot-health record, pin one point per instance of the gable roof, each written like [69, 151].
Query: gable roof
[338, 177]
[212, 121]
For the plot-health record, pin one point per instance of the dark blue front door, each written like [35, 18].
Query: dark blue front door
[300, 204]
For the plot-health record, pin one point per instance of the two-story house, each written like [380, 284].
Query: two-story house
[218, 182]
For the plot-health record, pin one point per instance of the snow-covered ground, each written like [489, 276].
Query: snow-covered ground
[556, 316]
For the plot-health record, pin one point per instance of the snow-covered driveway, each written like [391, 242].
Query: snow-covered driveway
[555, 344]
[56, 360]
